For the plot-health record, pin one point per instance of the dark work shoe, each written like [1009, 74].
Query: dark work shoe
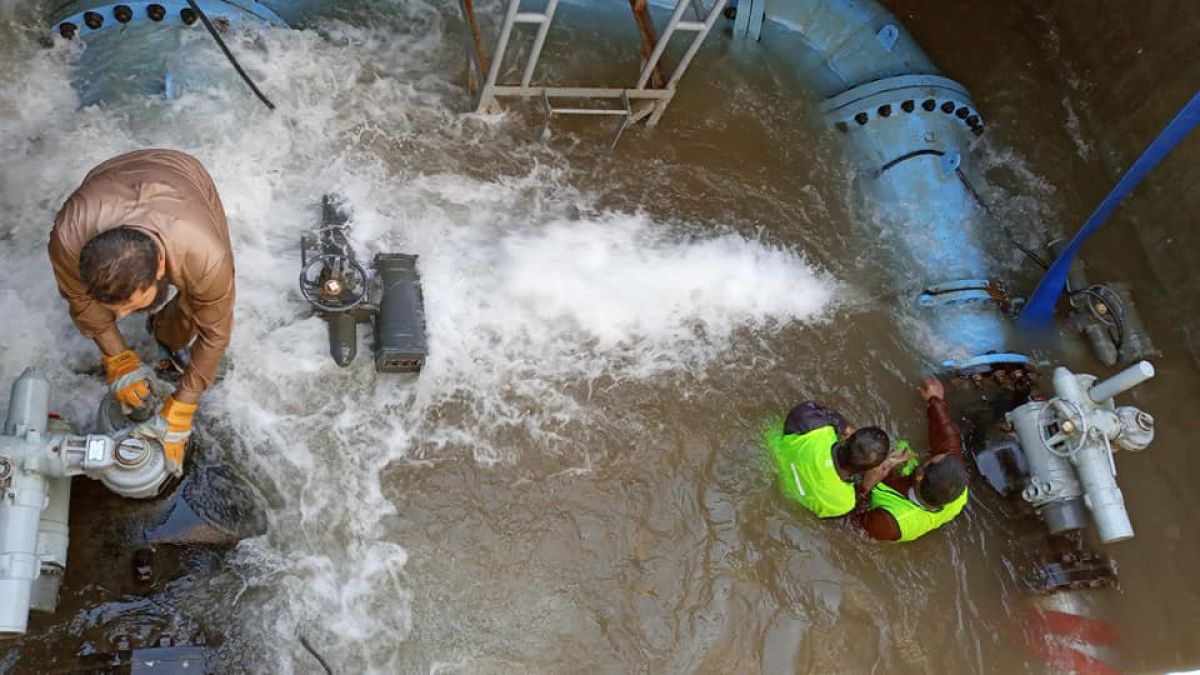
[168, 364]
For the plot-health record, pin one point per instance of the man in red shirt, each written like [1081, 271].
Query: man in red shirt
[906, 500]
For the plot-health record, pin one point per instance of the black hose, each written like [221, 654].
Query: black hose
[229, 55]
[304, 642]
[979, 200]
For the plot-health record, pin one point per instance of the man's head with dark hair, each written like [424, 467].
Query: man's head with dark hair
[940, 480]
[863, 450]
[121, 268]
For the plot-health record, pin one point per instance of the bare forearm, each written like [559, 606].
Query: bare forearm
[873, 476]
[943, 433]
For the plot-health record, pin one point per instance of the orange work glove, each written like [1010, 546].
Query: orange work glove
[171, 427]
[128, 379]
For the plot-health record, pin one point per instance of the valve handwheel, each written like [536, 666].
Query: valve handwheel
[1071, 425]
[333, 283]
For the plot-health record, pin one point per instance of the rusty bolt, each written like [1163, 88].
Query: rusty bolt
[156, 12]
[93, 20]
[122, 13]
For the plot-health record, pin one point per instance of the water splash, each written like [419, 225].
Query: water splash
[532, 292]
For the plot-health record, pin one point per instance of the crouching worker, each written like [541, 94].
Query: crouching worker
[139, 224]
[820, 458]
[908, 500]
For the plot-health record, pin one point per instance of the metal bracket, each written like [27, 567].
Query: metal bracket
[951, 159]
[966, 291]
[970, 291]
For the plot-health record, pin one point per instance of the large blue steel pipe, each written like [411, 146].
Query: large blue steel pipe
[136, 47]
[906, 130]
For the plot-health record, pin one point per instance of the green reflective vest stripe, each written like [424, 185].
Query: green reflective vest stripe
[913, 519]
[806, 471]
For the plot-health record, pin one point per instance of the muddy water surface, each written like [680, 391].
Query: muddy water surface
[574, 482]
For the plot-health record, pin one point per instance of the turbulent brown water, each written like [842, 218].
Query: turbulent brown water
[575, 481]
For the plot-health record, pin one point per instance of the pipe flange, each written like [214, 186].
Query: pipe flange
[84, 19]
[1073, 570]
[926, 95]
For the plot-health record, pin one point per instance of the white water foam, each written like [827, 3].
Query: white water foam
[529, 290]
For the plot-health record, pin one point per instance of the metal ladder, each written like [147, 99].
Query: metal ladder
[639, 102]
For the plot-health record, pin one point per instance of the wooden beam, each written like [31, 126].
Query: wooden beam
[645, 23]
[480, 56]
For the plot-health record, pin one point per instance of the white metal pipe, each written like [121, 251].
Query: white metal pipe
[1122, 382]
[1103, 497]
[538, 42]
[53, 538]
[28, 405]
[20, 511]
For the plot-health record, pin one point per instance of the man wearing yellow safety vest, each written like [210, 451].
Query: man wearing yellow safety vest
[907, 499]
[820, 458]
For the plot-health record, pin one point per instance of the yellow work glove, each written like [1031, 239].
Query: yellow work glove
[171, 427]
[128, 378]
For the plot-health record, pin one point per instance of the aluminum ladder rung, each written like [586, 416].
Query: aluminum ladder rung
[676, 23]
[588, 111]
[531, 17]
[625, 113]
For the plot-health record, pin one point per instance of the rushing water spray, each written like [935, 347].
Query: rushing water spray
[532, 292]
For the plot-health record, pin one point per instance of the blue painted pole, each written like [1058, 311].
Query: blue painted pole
[1039, 311]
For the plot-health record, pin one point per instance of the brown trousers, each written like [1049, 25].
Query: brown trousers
[172, 326]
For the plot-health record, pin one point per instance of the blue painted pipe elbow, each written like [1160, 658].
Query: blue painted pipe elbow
[907, 130]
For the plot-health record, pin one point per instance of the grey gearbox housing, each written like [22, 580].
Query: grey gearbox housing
[345, 294]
